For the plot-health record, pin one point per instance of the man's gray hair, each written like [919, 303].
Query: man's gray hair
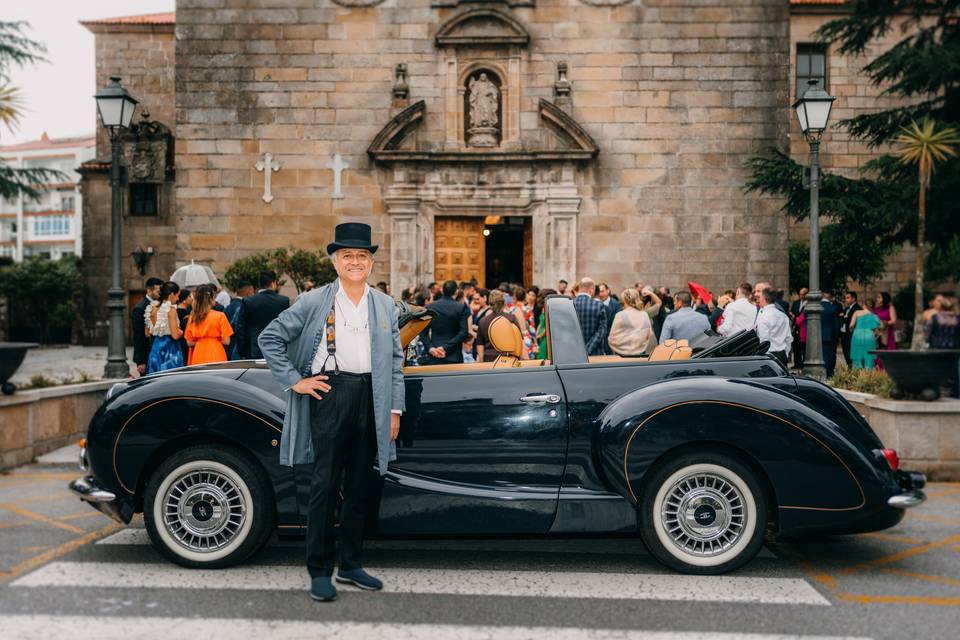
[683, 297]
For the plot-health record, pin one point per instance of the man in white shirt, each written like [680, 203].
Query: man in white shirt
[739, 315]
[773, 326]
[338, 349]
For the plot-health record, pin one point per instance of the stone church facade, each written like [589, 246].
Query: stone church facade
[609, 142]
[607, 135]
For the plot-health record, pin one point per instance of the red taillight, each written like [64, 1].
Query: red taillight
[892, 458]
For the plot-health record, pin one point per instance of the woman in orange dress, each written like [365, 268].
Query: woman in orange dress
[208, 330]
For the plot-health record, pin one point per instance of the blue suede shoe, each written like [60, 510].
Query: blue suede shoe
[359, 578]
[322, 589]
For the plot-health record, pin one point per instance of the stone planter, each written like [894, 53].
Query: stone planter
[925, 434]
[36, 421]
[11, 356]
[922, 372]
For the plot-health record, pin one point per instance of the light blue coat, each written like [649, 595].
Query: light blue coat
[289, 345]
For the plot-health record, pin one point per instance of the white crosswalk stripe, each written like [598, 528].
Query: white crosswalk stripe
[618, 546]
[539, 584]
[84, 627]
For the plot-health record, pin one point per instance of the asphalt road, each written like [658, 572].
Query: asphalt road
[68, 572]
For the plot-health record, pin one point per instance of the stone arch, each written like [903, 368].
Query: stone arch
[483, 27]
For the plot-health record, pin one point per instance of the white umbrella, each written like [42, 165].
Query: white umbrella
[193, 274]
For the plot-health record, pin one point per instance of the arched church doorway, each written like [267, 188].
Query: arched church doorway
[491, 249]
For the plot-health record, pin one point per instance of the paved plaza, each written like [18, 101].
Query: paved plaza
[60, 363]
[67, 570]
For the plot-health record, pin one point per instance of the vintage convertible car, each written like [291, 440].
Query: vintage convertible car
[700, 449]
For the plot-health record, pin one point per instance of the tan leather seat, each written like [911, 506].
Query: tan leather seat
[505, 338]
[671, 350]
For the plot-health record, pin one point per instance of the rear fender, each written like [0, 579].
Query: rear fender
[809, 463]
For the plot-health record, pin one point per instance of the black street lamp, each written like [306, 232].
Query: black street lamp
[813, 112]
[116, 108]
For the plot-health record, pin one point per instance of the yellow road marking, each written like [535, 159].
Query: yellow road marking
[922, 576]
[58, 551]
[40, 517]
[929, 518]
[11, 525]
[900, 555]
[33, 549]
[864, 599]
[85, 514]
[822, 578]
[940, 494]
[56, 496]
[892, 538]
[38, 476]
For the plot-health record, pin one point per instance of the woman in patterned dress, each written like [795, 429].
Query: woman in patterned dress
[161, 322]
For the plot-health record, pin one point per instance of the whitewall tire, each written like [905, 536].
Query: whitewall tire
[703, 513]
[208, 507]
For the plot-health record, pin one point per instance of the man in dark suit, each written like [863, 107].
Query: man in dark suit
[244, 290]
[829, 331]
[141, 343]
[593, 318]
[612, 306]
[256, 312]
[850, 305]
[449, 329]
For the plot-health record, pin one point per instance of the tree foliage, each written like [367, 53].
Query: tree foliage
[875, 213]
[35, 288]
[298, 264]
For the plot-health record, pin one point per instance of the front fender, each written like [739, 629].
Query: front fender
[811, 465]
[129, 431]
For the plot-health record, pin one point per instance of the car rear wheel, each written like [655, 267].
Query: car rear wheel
[703, 513]
[208, 507]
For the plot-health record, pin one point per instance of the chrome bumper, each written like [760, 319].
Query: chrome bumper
[87, 489]
[907, 500]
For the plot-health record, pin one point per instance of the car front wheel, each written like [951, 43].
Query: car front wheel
[208, 507]
[703, 513]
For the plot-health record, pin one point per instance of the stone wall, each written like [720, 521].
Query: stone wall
[37, 421]
[676, 94]
[143, 56]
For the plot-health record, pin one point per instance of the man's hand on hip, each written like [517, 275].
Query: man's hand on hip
[311, 385]
[394, 425]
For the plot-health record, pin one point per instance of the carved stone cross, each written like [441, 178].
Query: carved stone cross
[338, 164]
[268, 166]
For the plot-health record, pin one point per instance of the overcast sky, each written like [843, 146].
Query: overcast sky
[58, 94]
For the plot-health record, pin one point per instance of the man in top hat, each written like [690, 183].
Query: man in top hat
[337, 353]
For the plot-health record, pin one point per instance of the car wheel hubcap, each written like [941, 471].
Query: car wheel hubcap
[703, 514]
[204, 510]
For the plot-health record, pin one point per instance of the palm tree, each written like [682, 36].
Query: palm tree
[17, 50]
[924, 145]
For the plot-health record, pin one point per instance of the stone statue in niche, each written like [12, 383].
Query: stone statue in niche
[483, 122]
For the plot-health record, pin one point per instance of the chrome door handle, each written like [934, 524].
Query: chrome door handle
[541, 398]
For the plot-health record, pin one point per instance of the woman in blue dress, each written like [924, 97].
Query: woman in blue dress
[163, 325]
[864, 325]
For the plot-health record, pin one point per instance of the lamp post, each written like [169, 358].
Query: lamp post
[813, 112]
[115, 107]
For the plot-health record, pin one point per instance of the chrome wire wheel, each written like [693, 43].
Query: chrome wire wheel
[703, 514]
[203, 510]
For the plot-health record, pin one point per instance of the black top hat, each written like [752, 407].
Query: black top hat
[351, 235]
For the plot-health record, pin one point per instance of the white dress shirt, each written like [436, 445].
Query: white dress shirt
[739, 315]
[774, 326]
[352, 335]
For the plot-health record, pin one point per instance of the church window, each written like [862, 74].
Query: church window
[811, 65]
[143, 199]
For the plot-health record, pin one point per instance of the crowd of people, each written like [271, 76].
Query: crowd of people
[174, 326]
